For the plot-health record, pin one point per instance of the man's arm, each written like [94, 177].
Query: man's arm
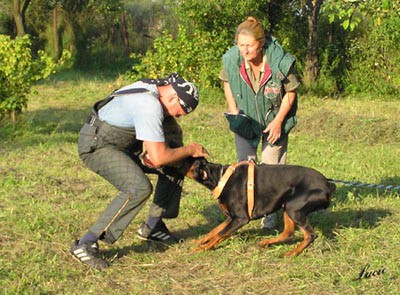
[160, 154]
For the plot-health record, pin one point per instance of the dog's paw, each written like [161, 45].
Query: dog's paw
[290, 254]
[197, 249]
[200, 241]
[264, 243]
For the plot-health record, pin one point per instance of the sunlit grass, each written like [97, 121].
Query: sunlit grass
[48, 198]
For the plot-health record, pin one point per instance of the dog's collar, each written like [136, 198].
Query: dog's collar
[250, 183]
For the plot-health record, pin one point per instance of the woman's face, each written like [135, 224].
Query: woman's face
[249, 47]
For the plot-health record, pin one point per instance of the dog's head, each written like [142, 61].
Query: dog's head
[204, 172]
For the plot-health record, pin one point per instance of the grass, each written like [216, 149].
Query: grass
[48, 198]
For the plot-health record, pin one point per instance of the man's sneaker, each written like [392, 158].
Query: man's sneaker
[159, 233]
[88, 253]
[269, 222]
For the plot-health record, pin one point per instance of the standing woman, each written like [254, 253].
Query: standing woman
[260, 89]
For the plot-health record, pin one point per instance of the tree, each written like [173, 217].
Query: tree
[124, 34]
[311, 9]
[19, 11]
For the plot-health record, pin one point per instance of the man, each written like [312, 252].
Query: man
[136, 117]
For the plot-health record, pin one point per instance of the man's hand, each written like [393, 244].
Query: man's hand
[160, 154]
[197, 150]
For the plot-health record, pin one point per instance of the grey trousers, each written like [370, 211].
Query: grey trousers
[269, 154]
[113, 153]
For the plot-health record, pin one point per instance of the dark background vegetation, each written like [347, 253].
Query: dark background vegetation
[342, 47]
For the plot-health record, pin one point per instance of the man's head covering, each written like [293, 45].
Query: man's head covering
[187, 92]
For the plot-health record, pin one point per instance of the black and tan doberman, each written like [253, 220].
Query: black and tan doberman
[247, 191]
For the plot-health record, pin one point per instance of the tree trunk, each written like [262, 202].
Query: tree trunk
[18, 13]
[312, 8]
[18, 18]
[55, 33]
[125, 34]
[13, 117]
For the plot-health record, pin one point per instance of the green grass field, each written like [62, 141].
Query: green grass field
[48, 198]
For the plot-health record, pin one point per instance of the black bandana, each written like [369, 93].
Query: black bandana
[187, 92]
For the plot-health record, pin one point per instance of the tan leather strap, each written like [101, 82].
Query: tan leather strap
[250, 189]
[224, 179]
[250, 184]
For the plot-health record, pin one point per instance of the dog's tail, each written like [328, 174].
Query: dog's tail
[333, 181]
[332, 186]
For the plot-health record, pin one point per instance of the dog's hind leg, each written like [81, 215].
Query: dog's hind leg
[309, 237]
[285, 236]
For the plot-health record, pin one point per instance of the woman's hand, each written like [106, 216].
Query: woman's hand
[274, 130]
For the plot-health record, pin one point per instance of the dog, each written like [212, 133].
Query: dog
[298, 190]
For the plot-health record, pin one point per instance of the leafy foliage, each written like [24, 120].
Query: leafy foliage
[205, 32]
[19, 70]
[376, 69]
[195, 56]
[347, 12]
[326, 85]
[220, 15]
[353, 35]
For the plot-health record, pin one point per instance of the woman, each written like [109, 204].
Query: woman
[260, 89]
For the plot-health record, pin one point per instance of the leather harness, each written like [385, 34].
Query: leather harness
[250, 183]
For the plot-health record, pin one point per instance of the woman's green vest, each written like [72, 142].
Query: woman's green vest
[262, 106]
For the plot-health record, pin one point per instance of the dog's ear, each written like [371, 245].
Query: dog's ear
[198, 169]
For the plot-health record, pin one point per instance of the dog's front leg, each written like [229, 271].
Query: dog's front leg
[227, 228]
[212, 233]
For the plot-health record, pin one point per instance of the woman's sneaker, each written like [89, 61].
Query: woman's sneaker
[269, 222]
[159, 233]
[89, 254]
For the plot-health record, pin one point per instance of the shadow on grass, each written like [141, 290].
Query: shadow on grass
[325, 221]
[328, 222]
[145, 247]
[51, 126]
[213, 216]
[79, 75]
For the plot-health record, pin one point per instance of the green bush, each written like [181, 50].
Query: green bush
[196, 56]
[19, 70]
[326, 85]
[376, 69]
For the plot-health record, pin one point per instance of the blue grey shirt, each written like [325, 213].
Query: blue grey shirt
[142, 111]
